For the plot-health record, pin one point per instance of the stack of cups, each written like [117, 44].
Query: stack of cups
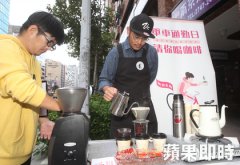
[159, 140]
[123, 138]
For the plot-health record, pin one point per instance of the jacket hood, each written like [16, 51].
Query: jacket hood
[12, 39]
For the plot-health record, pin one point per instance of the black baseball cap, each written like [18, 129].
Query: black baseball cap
[142, 24]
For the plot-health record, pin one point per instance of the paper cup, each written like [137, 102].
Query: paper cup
[142, 142]
[159, 140]
[123, 145]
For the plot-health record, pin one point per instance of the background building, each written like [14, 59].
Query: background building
[55, 73]
[43, 69]
[14, 30]
[4, 16]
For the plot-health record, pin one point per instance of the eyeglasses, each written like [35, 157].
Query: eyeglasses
[50, 43]
[139, 37]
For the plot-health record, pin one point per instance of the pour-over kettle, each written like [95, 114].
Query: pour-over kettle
[120, 103]
[209, 122]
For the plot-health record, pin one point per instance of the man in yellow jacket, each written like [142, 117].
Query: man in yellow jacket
[21, 94]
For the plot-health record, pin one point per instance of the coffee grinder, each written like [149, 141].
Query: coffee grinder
[140, 124]
[69, 140]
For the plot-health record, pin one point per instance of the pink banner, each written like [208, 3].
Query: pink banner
[162, 84]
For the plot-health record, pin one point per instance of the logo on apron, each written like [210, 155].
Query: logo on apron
[140, 65]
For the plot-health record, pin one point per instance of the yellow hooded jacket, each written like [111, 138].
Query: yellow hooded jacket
[20, 95]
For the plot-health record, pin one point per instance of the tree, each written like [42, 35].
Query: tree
[69, 12]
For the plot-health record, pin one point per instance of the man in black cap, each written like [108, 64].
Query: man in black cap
[132, 67]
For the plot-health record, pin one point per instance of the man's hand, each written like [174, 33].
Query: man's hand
[46, 127]
[109, 92]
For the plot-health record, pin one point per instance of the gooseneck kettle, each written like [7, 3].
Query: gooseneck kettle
[120, 103]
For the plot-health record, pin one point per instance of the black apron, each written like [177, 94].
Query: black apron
[137, 83]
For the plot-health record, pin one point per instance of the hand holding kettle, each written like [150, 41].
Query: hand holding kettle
[109, 92]
[120, 103]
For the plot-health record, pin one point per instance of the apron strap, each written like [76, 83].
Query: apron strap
[120, 50]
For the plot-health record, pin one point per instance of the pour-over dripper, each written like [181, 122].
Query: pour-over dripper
[71, 99]
[140, 113]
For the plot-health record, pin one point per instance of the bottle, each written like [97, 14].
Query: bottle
[179, 128]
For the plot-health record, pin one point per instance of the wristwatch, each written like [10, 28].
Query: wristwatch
[43, 112]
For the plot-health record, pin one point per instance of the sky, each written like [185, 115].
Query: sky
[20, 10]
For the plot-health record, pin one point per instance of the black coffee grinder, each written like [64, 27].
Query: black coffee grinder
[69, 140]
